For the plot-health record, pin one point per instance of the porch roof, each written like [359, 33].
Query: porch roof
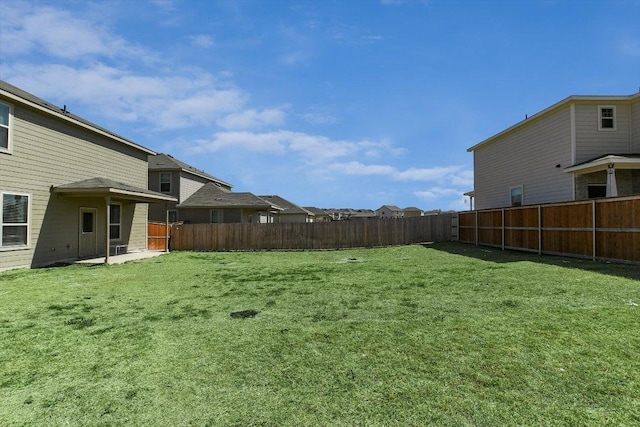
[104, 187]
[620, 161]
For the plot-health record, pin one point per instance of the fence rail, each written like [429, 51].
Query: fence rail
[315, 235]
[607, 229]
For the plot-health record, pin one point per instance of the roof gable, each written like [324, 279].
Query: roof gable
[565, 103]
[160, 162]
[287, 206]
[15, 94]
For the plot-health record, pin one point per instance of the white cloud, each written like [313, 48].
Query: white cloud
[437, 193]
[428, 174]
[203, 40]
[60, 34]
[251, 119]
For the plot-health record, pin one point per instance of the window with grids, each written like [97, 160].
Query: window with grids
[607, 117]
[115, 215]
[5, 127]
[14, 220]
[165, 182]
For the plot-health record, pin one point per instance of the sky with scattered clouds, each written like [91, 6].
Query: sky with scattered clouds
[327, 103]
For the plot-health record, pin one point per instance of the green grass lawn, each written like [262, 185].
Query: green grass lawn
[445, 334]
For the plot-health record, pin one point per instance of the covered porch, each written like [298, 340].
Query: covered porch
[613, 175]
[108, 221]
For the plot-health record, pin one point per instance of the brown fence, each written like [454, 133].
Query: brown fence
[315, 235]
[607, 229]
[156, 236]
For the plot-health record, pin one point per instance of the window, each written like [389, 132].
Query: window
[165, 182]
[115, 214]
[6, 112]
[606, 117]
[516, 196]
[216, 217]
[173, 216]
[87, 222]
[14, 220]
[595, 191]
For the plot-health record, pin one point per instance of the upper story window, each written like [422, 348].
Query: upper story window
[14, 221]
[165, 182]
[606, 117]
[6, 113]
[516, 196]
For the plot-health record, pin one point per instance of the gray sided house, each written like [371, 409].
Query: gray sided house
[214, 204]
[579, 148]
[69, 189]
[290, 211]
[173, 177]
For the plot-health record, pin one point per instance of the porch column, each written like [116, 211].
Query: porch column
[166, 228]
[612, 186]
[108, 227]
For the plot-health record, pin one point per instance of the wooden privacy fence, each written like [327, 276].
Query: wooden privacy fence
[314, 235]
[156, 236]
[606, 229]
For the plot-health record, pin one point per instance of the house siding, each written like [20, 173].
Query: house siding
[189, 184]
[528, 158]
[591, 142]
[48, 152]
[635, 127]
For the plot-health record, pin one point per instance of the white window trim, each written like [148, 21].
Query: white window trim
[615, 118]
[521, 187]
[28, 223]
[170, 182]
[119, 224]
[220, 217]
[9, 149]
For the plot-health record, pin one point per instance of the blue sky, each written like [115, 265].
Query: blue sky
[352, 103]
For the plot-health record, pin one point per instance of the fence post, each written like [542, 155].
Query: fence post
[476, 228]
[539, 229]
[503, 229]
[593, 225]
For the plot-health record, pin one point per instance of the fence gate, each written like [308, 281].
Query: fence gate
[156, 236]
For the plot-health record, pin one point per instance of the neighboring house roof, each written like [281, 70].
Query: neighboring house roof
[390, 207]
[212, 196]
[288, 208]
[107, 187]
[316, 211]
[33, 101]
[621, 161]
[162, 162]
[562, 104]
[413, 209]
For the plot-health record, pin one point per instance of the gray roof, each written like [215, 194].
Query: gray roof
[288, 208]
[391, 208]
[109, 187]
[212, 196]
[316, 211]
[162, 161]
[64, 114]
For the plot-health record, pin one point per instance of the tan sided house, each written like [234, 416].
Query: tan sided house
[69, 189]
[579, 148]
[173, 177]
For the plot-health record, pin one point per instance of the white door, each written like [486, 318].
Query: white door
[88, 246]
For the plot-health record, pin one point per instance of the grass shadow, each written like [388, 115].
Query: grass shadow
[499, 256]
